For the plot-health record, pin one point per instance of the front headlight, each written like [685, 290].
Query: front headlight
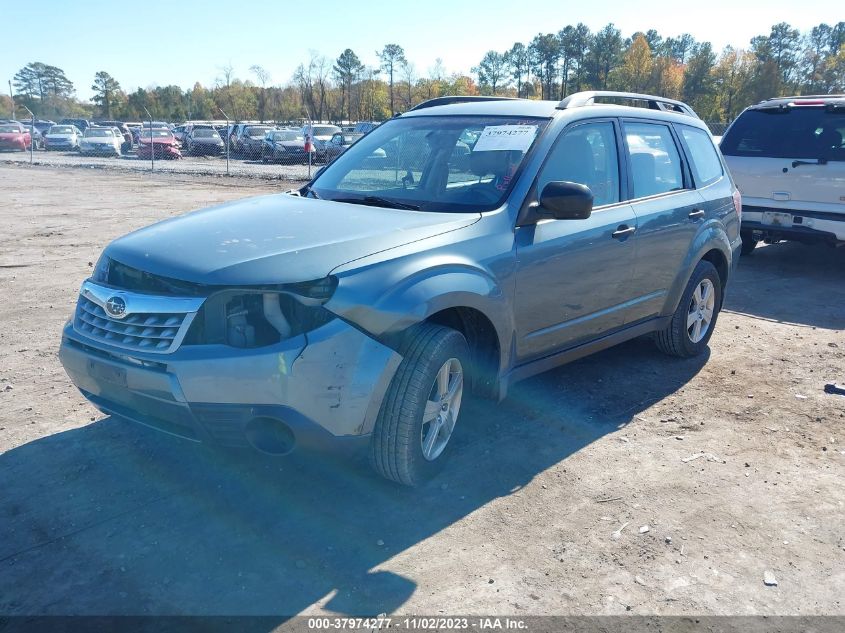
[100, 274]
[313, 292]
[250, 318]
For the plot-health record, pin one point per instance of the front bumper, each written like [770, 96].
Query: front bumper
[325, 387]
[59, 145]
[201, 149]
[103, 150]
[290, 155]
[161, 151]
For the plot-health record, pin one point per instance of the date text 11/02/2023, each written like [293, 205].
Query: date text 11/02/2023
[417, 623]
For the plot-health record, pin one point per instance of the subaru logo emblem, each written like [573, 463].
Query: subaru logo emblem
[116, 307]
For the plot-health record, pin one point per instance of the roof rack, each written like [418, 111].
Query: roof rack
[579, 99]
[799, 97]
[439, 101]
[831, 102]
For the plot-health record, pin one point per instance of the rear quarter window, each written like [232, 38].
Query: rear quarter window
[704, 161]
[656, 166]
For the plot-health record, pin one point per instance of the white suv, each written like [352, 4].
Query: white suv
[787, 157]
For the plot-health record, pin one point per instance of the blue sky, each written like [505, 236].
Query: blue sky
[191, 41]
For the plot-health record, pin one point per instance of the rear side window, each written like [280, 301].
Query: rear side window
[655, 160]
[797, 132]
[704, 161]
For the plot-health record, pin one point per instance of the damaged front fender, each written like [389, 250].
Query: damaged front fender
[385, 301]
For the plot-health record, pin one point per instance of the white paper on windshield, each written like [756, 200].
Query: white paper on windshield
[505, 137]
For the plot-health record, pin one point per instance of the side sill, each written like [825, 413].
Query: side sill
[532, 368]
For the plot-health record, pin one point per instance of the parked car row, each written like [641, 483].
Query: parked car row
[251, 141]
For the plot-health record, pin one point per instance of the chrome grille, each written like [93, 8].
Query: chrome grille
[142, 331]
[152, 323]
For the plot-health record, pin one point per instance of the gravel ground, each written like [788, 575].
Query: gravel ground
[627, 482]
[193, 165]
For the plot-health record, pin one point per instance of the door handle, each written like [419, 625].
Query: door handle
[623, 231]
[695, 215]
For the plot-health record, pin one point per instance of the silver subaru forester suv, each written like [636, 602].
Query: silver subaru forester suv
[460, 247]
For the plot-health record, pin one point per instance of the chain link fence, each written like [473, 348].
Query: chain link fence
[290, 151]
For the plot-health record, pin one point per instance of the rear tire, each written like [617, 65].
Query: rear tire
[413, 412]
[748, 242]
[698, 308]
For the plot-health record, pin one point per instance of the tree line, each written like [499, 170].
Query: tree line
[551, 66]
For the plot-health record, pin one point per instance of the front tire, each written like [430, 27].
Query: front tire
[417, 419]
[692, 324]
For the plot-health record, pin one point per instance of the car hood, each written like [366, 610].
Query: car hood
[60, 137]
[206, 140]
[6, 136]
[274, 239]
[99, 139]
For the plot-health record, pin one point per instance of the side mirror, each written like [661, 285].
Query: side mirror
[564, 200]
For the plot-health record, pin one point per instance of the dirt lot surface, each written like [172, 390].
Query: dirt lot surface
[579, 494]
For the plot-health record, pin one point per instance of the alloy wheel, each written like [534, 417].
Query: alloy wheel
[441, 409]
[700, 314]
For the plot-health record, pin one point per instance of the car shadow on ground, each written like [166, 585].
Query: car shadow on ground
[791, 282]
[113, 518]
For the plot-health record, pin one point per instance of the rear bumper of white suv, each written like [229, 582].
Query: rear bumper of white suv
[793, 224]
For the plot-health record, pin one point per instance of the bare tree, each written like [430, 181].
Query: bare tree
[304, 79]
[322, 68]
[224, 81]
[409, 75]
[263, 77]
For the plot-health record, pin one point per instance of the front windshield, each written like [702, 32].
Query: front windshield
[257, 132]
[98, 133]
[291, 135]
[9, 129]
[427, 163]
[61, 129]
[205, 134]
[325, 130]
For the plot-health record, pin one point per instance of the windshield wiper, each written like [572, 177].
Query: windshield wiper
[376, 201]
[821, 161]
